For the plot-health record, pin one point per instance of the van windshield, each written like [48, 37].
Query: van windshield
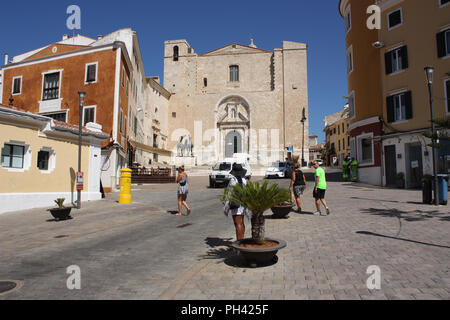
[224, 166]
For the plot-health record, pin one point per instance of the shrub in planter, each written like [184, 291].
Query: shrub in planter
[257, 198]
[62, 212]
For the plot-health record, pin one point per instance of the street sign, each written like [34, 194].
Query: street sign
[80, 181]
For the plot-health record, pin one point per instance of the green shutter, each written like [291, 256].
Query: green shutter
[442, 50]
[388, 62]
[390, 109]
[408, 105]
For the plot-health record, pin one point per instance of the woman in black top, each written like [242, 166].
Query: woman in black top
[298, 184]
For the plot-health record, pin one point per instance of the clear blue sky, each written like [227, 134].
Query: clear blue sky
[206, 25]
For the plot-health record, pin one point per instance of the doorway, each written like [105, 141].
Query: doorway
[390, 164]
[414, 166]
[233, 144]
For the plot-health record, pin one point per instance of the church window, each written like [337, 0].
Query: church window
[234, 73]
[176, 53]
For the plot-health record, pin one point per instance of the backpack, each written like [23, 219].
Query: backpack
[234, 205]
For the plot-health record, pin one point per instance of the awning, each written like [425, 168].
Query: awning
[147, 148]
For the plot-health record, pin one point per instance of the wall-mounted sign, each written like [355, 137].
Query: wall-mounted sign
[414, 164]
[80, 181]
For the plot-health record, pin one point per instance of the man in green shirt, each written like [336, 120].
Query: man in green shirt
[320, 188]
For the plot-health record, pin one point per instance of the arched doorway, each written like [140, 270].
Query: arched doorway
[233, 144]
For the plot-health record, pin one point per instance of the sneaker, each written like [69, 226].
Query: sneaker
[317, 213]
[188, 212]
[328, 211]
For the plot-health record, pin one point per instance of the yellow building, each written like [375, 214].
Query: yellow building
[389, 99]
[337, 137]
[39, 160]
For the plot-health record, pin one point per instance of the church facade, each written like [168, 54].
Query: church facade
[237, 99]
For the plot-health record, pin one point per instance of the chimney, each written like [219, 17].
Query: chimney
[65, 37]
[99, 37]
[6, 58]
[252, 44]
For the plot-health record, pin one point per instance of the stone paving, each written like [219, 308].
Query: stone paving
[327, 257]
[143, 252]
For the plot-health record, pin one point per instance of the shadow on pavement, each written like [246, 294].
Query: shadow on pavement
[367, 233]
[410, 216]
[222, 250]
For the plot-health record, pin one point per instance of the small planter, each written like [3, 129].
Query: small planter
[61, 214]
[282, 211]
[255, 256]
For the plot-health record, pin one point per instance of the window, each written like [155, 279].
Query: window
[351, 105]
[348, 20]
[339, 145]
[234, 73]
[135, 126]
[396, 60]
[91, 73]
[395, 19]
[399, 107]
[343, 144]
[350, 59]
[12, 156]
[176, 53]
[43, 159]
[366, 150]
[174, 114]
[447, 94]
[128, 86]
[89, 115]
[120, 121]
[343, 128]
[443, 3]
[155, 141]
[60, 116]
[205, 82]
[125, 127]
[51, 86]
[443, 43]
[17, 85]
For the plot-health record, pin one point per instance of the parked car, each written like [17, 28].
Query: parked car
[220, 173]
[279, 170]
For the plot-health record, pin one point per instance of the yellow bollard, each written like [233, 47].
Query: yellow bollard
[125, 187]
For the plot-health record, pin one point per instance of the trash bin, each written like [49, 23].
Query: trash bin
[443, 188]
[427, 191]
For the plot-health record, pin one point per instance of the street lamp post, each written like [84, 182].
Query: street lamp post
[303, 136]
[429, 72]
[81, 97]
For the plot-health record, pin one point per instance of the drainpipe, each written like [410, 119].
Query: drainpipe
[284, 109]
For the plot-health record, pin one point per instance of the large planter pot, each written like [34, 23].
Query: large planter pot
[61, 214]
[259, 256]
[282, 211]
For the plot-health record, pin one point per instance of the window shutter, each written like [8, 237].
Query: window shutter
[442, 52]
[408, 105]
[404, 53]
[388, 62]
[390, 109]
[448, 95]
[91, 73]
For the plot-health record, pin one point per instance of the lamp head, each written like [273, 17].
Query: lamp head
[81, 97]
[429, 72]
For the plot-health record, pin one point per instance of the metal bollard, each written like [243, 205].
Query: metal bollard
[125, 187]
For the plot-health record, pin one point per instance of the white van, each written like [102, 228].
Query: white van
[220, 173]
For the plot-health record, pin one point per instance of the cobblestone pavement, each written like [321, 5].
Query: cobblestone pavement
[142, 251]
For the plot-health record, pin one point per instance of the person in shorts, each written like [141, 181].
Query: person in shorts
[298, 185]
[183, 191]
[238, 212]
[320, 188]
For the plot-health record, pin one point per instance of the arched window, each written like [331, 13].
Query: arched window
[176, 53]
[234, 73]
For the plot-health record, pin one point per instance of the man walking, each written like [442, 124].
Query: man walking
[320, 188]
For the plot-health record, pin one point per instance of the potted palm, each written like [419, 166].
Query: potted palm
[62, 212]
[257, 198]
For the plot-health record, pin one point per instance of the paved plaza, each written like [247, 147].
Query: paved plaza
[143, 251]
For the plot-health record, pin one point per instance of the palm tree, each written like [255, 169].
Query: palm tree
[257, 199]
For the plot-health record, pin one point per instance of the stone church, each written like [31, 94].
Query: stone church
[237, 99]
